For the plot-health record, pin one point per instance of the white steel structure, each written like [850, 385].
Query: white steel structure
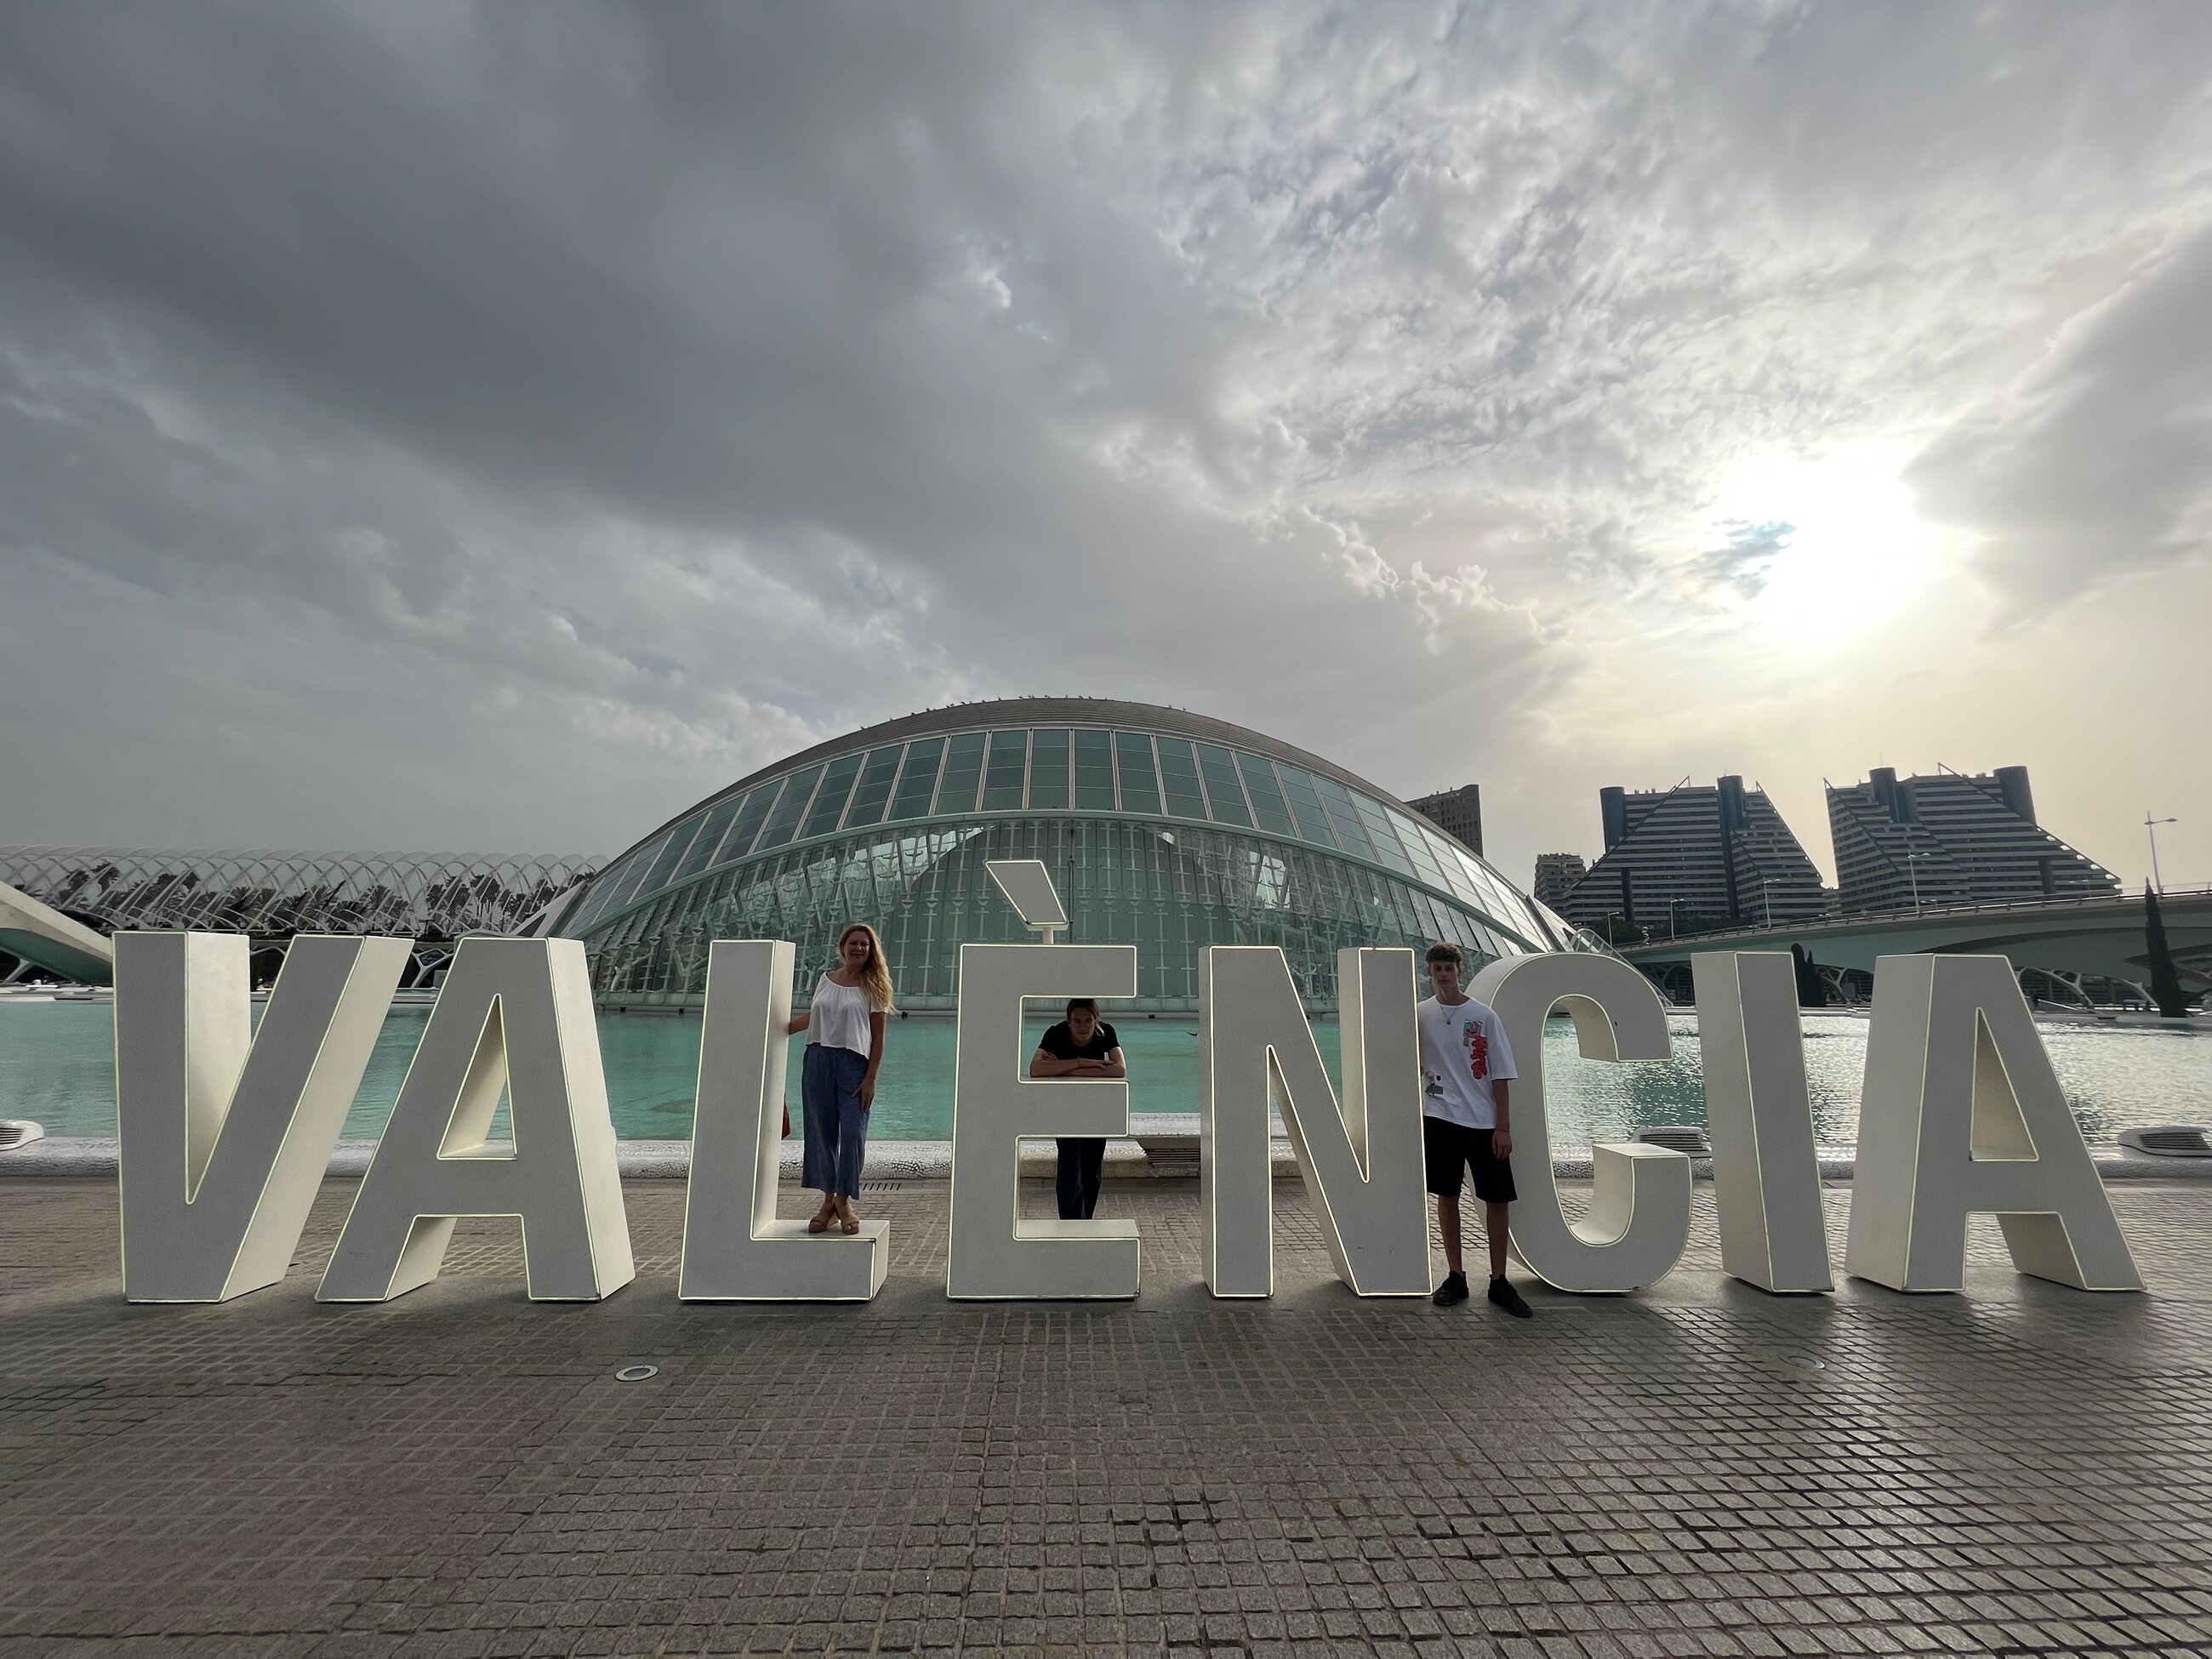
[433, 898]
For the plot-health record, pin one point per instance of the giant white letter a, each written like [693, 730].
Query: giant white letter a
[517, 1009]
[1962, 1113]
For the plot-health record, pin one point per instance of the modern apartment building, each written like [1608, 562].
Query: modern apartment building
[1457, 813]
[1946, 838]
[1556, 876]
[1692, 858]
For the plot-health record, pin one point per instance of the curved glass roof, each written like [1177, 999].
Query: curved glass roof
[422, 895]
[985, 760]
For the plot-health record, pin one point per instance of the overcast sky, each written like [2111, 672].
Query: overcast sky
[425, 427]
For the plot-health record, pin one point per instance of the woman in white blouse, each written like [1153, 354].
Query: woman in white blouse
[844, 1051]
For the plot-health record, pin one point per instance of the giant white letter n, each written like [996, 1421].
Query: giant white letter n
[1361, 1164]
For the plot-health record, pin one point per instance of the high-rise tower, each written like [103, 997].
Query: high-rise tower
[1457, 813]
[1946, 838]
[1556, 876]
[1695, 857]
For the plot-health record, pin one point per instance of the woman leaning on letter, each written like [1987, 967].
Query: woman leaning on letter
[844, 1026]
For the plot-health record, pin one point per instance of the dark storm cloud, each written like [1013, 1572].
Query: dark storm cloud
[2097, 465]
[715, 277]
[691, 271]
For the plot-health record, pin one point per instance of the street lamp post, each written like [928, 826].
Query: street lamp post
[1912, 868]
[2151, 825]
[1766, 898]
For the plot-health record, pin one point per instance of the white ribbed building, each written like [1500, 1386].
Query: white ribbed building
[1947, 838]
[1692, 858]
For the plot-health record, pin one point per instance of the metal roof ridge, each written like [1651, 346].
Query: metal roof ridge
[954, 717]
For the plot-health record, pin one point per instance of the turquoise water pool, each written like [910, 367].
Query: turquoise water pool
[57, 1066]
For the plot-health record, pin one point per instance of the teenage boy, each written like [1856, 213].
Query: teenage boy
[1467, 1120]
[1082, 1045]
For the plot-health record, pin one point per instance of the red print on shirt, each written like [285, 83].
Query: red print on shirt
[1477, 1052]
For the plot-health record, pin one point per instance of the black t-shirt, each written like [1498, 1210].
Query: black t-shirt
[1059, 1043]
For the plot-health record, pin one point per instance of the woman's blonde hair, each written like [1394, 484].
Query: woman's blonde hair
[876, 977]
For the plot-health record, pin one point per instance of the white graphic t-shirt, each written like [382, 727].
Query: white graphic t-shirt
[1463, 1051]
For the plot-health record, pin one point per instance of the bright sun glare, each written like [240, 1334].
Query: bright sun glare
[1854, 550]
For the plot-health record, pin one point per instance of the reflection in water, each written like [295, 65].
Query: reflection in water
[57, 1066]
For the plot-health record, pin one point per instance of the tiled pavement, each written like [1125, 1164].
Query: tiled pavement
[2020, 1469]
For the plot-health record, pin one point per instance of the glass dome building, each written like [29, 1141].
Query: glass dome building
[1163, 829]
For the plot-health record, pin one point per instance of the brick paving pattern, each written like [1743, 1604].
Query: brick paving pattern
[2023, 1469]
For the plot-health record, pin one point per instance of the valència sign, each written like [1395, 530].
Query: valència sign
[226, 1132]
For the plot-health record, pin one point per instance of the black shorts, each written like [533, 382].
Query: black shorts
[1452, 1147]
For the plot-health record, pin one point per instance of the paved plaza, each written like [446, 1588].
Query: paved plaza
[1701, 1469]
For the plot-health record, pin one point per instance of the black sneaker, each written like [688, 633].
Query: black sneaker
[1452, 1292]
[1506, 1297]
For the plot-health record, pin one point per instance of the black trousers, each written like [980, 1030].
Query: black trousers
[1082, 1166]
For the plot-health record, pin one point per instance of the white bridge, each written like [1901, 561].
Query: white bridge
[2068, 939]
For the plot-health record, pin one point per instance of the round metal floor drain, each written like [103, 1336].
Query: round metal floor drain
[1805, 1362]
[637, 1373]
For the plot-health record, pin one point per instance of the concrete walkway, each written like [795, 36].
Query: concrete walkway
[1699, 1469]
